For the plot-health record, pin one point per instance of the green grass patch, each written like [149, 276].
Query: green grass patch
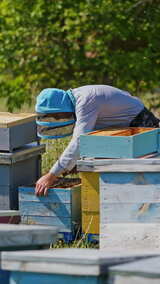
[54, 148]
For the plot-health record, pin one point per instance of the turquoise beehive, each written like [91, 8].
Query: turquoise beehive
[131, 142]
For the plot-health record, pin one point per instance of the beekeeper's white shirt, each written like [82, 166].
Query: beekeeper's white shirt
[97, 107]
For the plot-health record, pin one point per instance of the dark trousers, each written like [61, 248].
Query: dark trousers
[145, 119]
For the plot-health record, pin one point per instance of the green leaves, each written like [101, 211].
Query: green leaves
[66, 44]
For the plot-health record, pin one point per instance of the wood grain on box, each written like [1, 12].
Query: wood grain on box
[130, 197]
[149, 163]
[90, 202]
[90, 191]
[130, 213]
[127, 236]
[90, 222]
[64, 224]
[61, 207]
[11, 119]
[130, 187]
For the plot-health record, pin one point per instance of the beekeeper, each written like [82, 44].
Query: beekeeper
[61, 113]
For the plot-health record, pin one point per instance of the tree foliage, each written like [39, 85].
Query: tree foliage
[66, 44]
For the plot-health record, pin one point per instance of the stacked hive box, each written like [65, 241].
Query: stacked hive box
[61, 207]
[124, 191]
[19, 158]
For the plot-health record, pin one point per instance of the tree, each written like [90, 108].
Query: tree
[69, 43]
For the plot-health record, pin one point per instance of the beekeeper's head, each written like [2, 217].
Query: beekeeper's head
[55, 113]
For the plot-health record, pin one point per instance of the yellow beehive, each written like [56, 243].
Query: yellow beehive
[90, 202]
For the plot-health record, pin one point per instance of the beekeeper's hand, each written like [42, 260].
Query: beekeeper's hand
[44, 183]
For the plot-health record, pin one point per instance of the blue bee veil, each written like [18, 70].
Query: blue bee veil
[49, 104]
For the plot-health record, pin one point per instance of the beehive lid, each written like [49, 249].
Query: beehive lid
[6, 213]
[8, 119]
[26, 152]
[18, 235]
[127, 131]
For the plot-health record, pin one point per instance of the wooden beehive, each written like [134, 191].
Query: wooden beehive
[16, 168]
[16, 130]
[130, 197]
[128, 142]
[129, 192]
[61, 207]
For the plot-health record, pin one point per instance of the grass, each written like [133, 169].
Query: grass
[76, 244]
[54, 148]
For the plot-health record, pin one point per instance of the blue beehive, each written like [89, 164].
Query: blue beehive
[129, 142]
[61, 207]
